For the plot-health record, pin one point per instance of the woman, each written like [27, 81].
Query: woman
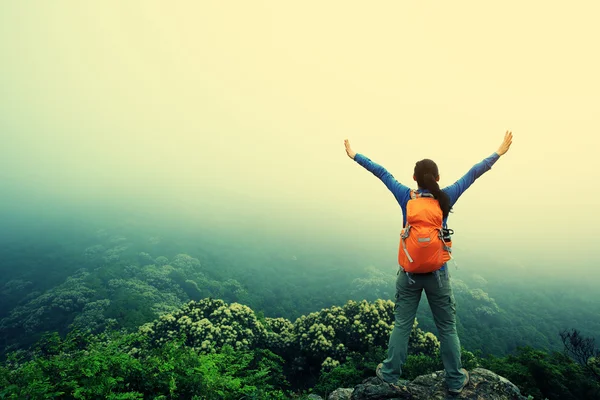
[409, 286]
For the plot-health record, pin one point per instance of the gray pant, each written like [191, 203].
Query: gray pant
[443, 306]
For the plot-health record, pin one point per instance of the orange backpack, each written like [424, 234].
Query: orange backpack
[422, 247]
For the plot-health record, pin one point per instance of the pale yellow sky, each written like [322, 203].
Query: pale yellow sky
[246, 106]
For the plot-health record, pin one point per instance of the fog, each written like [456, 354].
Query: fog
[230, 120]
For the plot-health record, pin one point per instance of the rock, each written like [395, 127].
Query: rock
[483, 384]
[341, 394]
[375, 389]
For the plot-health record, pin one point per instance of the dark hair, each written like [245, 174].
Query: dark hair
[426, 173]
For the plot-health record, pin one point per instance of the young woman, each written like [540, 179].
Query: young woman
[409, 286]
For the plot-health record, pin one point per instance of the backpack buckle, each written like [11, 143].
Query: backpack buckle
[406, 232]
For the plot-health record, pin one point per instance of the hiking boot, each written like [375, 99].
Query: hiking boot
[379, 373]
[465, 383]
[401, 382]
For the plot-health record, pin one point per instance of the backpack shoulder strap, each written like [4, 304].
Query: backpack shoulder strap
[415, 194]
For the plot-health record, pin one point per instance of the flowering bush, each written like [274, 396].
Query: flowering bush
[325, 338]
[208, 325]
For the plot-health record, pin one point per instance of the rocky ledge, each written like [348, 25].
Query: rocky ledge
[483, 384]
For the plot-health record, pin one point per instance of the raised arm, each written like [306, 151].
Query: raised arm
[400, 191]
[458, 188]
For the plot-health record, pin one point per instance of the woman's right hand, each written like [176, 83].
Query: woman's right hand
[349, 151]
[505, 144]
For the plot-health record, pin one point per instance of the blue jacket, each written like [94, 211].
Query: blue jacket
[402, 192]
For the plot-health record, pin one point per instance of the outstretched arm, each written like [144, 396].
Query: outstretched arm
[399, 191]
[458, 188]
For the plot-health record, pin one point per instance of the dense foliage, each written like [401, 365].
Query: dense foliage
[119, 366]
[110, 317]
[203, 351]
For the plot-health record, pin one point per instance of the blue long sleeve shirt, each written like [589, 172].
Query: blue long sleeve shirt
[402, 192]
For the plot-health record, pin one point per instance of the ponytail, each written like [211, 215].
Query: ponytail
[426, 173]
[431, 184]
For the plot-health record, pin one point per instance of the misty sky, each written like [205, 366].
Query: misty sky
[239, 113]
